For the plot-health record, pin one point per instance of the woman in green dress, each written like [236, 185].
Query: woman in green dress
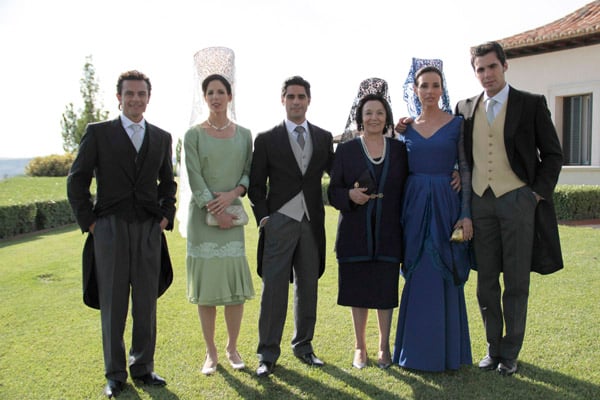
[217, 161]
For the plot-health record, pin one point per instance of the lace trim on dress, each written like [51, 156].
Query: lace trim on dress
[213, 250]
[204, 196]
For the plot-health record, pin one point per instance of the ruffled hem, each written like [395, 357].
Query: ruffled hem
[219, 281]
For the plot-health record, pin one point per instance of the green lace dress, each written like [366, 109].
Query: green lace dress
[217, 268]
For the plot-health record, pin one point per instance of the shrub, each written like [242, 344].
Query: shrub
[53, 165]
[52, 214]
[575, 202]
[16, 219]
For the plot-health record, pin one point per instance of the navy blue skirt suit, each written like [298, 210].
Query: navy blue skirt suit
[369, 237]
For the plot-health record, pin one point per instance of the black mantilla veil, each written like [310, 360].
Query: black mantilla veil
[376, 86]
[208, 61]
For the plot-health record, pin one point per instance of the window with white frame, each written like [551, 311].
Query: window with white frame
[577, 129]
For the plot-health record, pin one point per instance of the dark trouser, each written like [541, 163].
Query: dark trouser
[503, 242]
[289, 246]
[127, 257]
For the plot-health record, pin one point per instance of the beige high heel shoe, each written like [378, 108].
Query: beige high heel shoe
[235, 360]
[210, 366]
[360, 359]
[384, 359]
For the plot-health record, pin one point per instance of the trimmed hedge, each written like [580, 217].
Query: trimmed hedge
[17, 219]
[575, 202]
[572, 202]
[25, 218]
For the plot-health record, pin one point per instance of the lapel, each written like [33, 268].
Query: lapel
[284, 146]
[317, 147]
[122, 148]
[472, 105]
[514, 108]
[150, 147]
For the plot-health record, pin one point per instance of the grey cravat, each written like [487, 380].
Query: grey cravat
[300, 137]
[490, 111]
[136, 137]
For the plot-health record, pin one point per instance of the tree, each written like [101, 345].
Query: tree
[74, 123]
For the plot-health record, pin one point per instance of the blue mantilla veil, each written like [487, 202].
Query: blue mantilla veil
[368, 86]
[208, 61]
[410, 97]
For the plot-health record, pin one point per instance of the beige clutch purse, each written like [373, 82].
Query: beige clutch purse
[457, 235]
[237, 211]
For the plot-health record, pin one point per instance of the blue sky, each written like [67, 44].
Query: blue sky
[332, 44]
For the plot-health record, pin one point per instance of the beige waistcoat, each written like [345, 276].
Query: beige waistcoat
[490, 162]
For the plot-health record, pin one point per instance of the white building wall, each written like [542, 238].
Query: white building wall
[564, 73]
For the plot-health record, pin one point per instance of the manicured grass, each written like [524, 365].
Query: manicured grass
[23, 189]
[51, 345]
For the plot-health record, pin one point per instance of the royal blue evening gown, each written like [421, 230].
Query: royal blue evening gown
[432, 332]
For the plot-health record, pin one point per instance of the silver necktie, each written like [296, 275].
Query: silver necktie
[300, 137]
[136, 137]
[490, 111]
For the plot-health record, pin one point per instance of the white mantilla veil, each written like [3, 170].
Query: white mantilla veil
[412, 101]
[208, 61]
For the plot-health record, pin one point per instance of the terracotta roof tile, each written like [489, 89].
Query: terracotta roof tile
[580, 28]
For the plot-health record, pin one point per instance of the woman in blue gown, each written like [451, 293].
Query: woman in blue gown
[432, 332]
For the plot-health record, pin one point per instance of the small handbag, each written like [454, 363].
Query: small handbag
[235, 210]
[366, 180]
[458, 235]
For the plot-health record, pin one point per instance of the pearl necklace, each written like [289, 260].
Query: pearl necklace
[217, 128]
[364, 145]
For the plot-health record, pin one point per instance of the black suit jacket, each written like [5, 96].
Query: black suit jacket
[535, 156]
[126, 185]
[275, 178]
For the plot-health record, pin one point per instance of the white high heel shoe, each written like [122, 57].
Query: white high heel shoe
[235, 360]
[360, 359]
[209, 367]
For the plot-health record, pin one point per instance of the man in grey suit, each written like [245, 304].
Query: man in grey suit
[516, 157]
[285, 191]
[126, 250]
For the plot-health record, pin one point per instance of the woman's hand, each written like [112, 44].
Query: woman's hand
[358, 196]
[467, 226]
[402, 124]
[225, 220]
[455, 182]
[221, 201]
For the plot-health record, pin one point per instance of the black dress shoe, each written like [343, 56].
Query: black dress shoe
[489, 363]
[265, 368]
[507, 367]
[113, 388]
[151, 379]
[310, 359]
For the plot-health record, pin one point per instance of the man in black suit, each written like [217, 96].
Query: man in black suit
[516, 157]
[285, 191]
[126, 250]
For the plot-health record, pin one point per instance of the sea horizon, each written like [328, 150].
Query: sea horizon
[11, 167]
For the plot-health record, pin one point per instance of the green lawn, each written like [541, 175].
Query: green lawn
[20, 189]
[51, 345]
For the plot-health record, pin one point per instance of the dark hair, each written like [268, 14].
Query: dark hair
[133, 75]
[485, 48]
[389, 119]
[426, 69]
[295, 80]
[216, 77]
